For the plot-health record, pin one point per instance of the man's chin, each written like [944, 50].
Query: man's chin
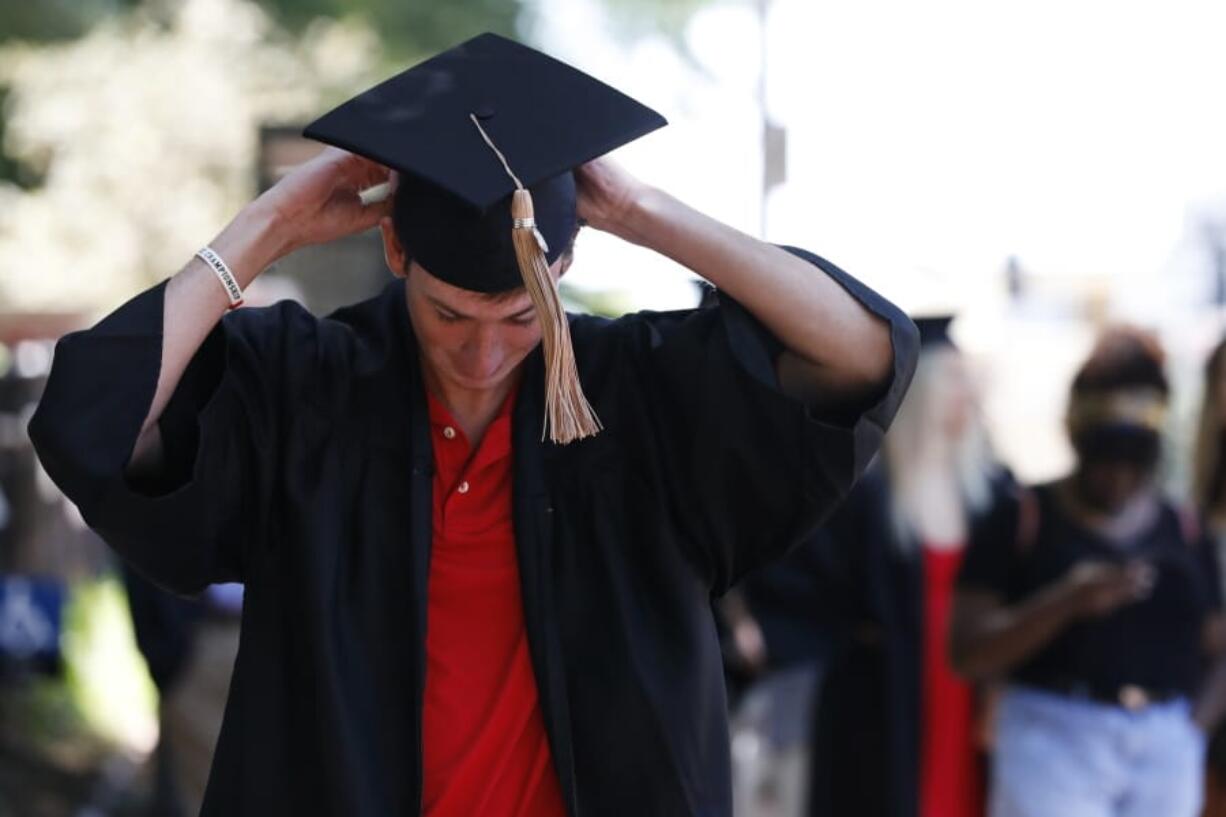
[483, 383]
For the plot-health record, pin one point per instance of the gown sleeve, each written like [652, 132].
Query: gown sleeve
[196, 522]
[750, 471]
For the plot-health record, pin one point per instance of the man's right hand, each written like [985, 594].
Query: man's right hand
[318, 201]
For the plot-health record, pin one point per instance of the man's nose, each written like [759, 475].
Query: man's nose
[483, 343]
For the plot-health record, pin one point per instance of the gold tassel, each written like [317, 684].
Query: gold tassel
[568, 413]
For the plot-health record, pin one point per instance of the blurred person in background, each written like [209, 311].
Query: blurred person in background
[1096, 600]
[896, 733]
[1209, 456]
[1209, 492]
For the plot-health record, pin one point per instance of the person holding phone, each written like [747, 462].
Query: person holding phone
[1094, 599]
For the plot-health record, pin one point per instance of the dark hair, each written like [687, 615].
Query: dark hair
[400, 210]
[1124, 358]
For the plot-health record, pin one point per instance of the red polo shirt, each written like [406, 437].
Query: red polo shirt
[484, 745]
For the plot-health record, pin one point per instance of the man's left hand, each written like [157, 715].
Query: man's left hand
[607, 193]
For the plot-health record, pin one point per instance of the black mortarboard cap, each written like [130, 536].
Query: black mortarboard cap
[934, 330]
[485, 137]
[545, 117]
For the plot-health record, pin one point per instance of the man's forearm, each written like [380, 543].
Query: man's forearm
[193, 303]
[812, 315]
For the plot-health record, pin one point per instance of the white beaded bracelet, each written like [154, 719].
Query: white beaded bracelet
[233, 290]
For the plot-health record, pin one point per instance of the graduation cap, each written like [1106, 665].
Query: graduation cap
[485, 136]
[934, 330]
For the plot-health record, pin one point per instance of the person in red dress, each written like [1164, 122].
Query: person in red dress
[897, 733]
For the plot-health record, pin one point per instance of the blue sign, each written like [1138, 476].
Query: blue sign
[31, 619]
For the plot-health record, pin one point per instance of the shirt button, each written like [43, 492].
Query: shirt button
[463, 487]
[449, 433]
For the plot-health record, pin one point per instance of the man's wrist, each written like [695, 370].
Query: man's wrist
[636, 220]
[257, 237]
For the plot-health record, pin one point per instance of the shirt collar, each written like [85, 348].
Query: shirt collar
[498, 434]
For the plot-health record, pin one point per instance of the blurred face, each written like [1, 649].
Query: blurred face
[1108, 485]
[954, 398]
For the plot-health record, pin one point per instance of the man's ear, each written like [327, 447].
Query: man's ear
[567, 258]
[393, 252]
[568, 255]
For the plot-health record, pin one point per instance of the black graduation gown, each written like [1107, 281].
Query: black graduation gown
[866, 741]
[301, 465]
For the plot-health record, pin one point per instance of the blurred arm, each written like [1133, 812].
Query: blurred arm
[988, 638]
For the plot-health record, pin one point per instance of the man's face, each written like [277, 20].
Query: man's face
[469, 340]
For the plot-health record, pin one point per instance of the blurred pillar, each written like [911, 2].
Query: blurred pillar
[1217, 258]
[1015, 282]
[774, 135]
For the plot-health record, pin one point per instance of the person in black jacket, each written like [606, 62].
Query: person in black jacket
[1095, 599]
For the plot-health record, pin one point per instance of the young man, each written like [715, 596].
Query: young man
[445, 613]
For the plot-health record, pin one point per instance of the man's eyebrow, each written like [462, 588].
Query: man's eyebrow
[520, 315]
[446, 308]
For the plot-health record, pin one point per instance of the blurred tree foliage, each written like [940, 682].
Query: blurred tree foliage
[142, 135]
[406, 28]
[637, 17]
[46, 20]
[107, 104]
[413, 28]
[10, 169]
